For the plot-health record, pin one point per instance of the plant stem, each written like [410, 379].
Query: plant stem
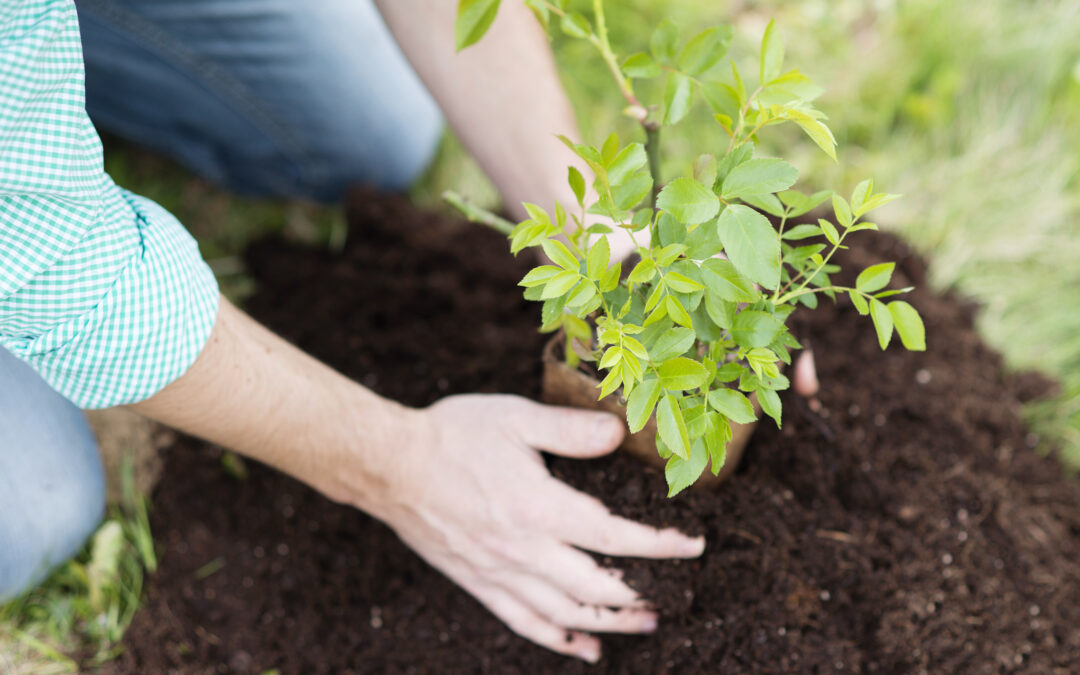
[652, 151]
[477, 214]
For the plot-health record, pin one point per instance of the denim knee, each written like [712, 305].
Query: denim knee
[52, 483]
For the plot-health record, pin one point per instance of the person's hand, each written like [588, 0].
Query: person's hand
[475, 500]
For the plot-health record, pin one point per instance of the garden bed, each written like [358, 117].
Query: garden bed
[907, 524]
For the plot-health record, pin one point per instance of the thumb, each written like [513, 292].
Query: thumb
[570, 432]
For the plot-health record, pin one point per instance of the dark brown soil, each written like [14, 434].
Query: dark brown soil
[906, 526]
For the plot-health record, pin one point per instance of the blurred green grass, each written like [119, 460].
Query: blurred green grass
[970, 109]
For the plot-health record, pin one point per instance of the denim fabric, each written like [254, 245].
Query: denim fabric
[52, 485]
[272, 97]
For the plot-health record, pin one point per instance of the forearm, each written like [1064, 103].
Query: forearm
[254, 393]
[502, 96]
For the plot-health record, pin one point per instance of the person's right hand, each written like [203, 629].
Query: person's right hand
[475, 500]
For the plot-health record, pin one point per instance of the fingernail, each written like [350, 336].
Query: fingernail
[590, 655]
[694, 547]
[606, 432]
[648, 625]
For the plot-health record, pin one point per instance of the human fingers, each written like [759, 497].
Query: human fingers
[570, 432]
[562, 610]
[530, 625]
[585, 522]
[805, 376]
[584, 580]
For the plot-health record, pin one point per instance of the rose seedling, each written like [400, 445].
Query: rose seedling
[697, 325]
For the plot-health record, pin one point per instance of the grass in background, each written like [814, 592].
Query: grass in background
[77, 617]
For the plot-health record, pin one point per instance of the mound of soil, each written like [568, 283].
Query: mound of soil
[906, 526]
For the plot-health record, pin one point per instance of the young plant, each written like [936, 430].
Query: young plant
[698, 323]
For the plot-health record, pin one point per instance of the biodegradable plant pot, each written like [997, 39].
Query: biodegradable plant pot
[563, 385]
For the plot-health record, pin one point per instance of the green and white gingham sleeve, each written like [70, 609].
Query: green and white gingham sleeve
[101, 291]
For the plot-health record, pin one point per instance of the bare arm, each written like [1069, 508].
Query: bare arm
[461, 482]
[502, 96]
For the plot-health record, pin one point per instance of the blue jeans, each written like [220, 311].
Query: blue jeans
[274, 97]
[52, 485]
[271, 97]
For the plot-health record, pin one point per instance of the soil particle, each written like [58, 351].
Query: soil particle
[906, 525]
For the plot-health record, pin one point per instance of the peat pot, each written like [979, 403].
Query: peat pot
[563, 385]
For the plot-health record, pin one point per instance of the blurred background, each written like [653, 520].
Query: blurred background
[970, 109]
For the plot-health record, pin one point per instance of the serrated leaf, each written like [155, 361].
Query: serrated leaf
[577, 184]
[681, 283]
[800, 203]
[668, 254]
[804, 231]
[770, 405]
[681, 474]
[677, 97]
[758, 176]
[672, 427]
[641, 66]
[557, 252]
[751, 243]
[732, 404]
[817, 131]
[717, 435]
[861, 306]
[772, 54]
[640, 404]
[539, 276]
[883, 322]
[672, 342]
[705, 50]
[630, 159]
[721, 278]
[598, 259]
[688, 200]
[909, 325]
[875, 277]
[830, 231]
[677, 312]
[643, 272]
[662, 41]
[681, 373]
[611, 278]
[575, 25]
[560, 284]
[860, 194]
[765, 202]
[581, 295]
[474, 18]
[842, 211]
[631, 191]
[721, 311]
[752, 328]
[722, 98]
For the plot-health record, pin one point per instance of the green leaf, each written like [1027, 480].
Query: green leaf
[733, 404]
[576, 25]
[830, 231]
[717, 434]
[663, 39]
[772, 54]
[597, 261]
[672, 342]
[702, 242]
[630, 159]
[759, 176]
[883, 322]
[474, 18]
[688, 200]
[721, 311]
[842, 211]
[643, 272]
[875, 277]
[611, 278]
[765, 202]
[751, 243]
[800, 203]
[681, 474]
[581, 295]
[630, 192]
[577, 184]
[722, 98]
[668, 254]
[560, 255]
[860, 303]
[909, 325]
[755, 329]
[804, 231]
[770, 404]
[559, 284]
[681, 283]
[681, 373]
[705, 50]
[860, 194]
[677, 312]
[816, 130]
[677, 96]
[640, 65]
[721, 278]
[539, 276]
[672, 427]
[640, 404]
